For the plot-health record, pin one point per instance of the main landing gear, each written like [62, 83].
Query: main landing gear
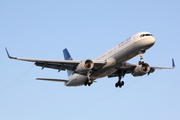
[88, 81]
[120, 83]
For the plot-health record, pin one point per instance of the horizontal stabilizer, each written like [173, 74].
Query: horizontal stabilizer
[55, 80]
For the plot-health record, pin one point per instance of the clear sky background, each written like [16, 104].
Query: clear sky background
[42, 29]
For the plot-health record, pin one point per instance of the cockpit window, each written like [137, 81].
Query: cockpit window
[146, 35]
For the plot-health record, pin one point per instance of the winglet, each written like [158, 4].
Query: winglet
[9, 55]
[173, 64]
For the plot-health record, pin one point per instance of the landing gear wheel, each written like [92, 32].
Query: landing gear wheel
[122, 83]
[116, 85]
[85, 83]
[119, 84]
[141, 62]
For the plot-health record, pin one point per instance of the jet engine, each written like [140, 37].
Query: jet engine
[84, 66]
[141, 70]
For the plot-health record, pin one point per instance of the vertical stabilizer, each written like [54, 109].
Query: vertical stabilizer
[67, 56]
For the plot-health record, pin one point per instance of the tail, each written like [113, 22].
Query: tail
[67, 56]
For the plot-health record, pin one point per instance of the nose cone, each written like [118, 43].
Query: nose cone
[153, 40]
[150, 41]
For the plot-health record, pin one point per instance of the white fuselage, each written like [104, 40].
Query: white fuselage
[115, 57]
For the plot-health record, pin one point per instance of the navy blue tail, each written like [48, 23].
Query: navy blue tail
[67, 56]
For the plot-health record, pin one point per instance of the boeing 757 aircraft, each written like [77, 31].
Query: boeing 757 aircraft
[112, 63]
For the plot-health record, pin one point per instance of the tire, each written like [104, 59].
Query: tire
[122, 83]
[116, 85]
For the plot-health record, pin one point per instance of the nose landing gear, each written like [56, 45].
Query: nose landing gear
[141, 56]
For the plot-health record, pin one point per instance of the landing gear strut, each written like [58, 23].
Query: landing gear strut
[88, 81]
[141, 56]
[120, 83]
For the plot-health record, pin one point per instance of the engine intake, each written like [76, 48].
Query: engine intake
[84, 66]
[141, 70]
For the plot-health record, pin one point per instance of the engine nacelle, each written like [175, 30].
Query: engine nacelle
[84, 66]
[141, 70]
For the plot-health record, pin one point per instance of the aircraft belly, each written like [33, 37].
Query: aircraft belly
[103, 72]
[122, 55]
[77, 80]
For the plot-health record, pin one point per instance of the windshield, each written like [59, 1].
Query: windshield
[143, 35]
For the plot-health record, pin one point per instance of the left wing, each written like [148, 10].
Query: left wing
[57, 64]
[173, 66]
[154, 67]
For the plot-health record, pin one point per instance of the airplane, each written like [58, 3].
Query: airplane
[112, 63]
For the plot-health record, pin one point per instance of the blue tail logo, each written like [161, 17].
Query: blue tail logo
[67, 56]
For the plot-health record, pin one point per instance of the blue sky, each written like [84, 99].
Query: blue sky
[42, 29]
